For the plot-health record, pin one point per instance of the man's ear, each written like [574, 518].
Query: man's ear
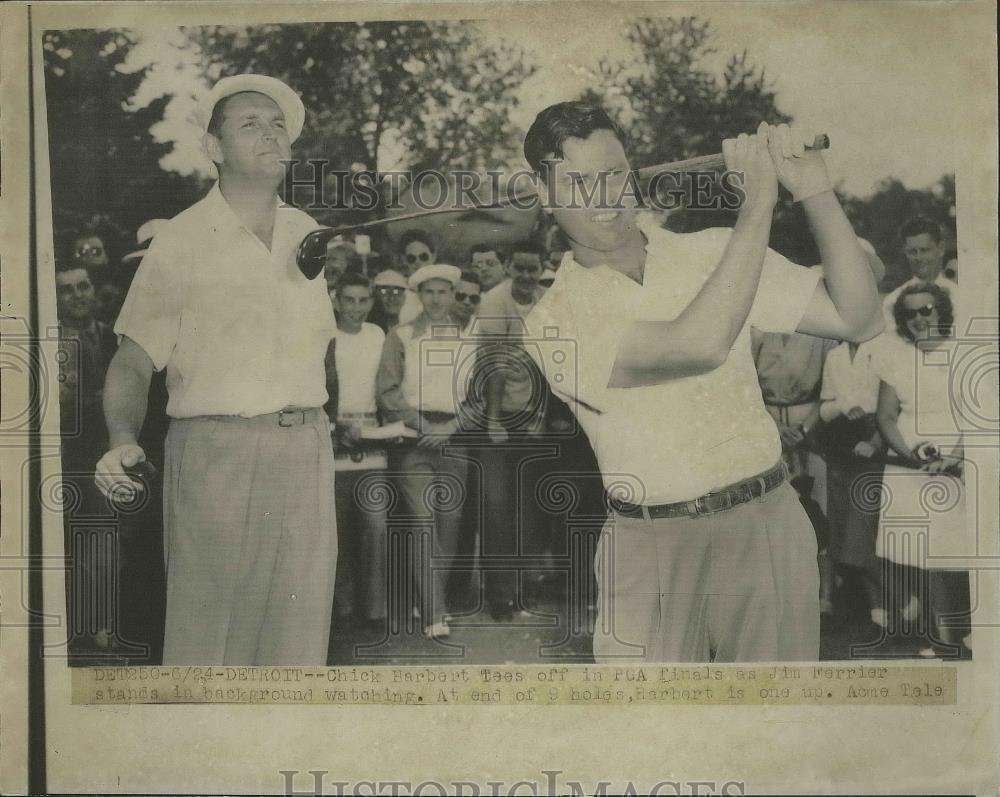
[211, 146]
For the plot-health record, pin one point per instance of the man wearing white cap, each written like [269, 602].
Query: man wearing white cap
[422, 381]
[250, 531]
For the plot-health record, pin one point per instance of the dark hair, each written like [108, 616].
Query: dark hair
[500, 251]
[528, 248]
[471, 276]
[942, 302]
[352, 279]
[561, 121]
[63, 266]
[919, 226]
[420, 236]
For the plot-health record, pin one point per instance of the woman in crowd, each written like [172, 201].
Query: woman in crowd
[915, 419]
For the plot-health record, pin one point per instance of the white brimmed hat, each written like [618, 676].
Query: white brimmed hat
[438, 271]
[286, 99]
[391, 278]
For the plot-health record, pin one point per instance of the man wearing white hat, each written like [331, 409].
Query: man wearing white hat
[422, 381]
[250, 532]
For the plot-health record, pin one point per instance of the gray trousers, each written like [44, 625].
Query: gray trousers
[740, 585]
[250, 541]
[433, 486]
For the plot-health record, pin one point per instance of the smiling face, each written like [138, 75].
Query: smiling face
[437, 297]
[924, 255]
[353, 303]
[75, 297]
[252, 142]
[593, 223]
[921, 314]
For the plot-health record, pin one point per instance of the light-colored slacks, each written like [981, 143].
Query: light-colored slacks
[739, 585]
[250, 541]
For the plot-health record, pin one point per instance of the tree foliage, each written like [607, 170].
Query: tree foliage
[674, 104]
[879, 217]
[385, 95]
[104, 165]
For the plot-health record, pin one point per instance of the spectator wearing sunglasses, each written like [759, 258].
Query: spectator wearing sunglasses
[390, 294]
[916, 419]
[515, 411]
[415, 250]
[468, 294]
[89, 252]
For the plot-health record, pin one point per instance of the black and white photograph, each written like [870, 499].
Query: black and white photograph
[383, 347]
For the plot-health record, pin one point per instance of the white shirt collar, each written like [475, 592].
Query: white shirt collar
[647, 223]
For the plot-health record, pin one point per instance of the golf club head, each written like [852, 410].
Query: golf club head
[311, 256]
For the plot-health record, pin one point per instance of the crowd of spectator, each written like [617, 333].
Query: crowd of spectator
[439, 407]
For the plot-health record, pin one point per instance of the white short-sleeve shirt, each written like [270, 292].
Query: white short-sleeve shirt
[238, 327]
[677, 440]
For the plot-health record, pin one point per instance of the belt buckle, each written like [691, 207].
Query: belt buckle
[699, 510]
[283, 413]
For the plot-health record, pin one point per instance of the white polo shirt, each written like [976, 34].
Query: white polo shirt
[238, 327]
[680, 439]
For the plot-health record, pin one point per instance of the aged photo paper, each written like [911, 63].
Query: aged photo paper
[552, 563]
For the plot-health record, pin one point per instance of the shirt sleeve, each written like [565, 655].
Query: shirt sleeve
[389, 384]
[151, 313]
[783, 294]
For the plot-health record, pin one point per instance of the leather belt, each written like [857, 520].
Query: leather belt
[290, 416]
[718, 501]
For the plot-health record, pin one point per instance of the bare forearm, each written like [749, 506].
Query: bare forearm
[126, 392]
[848, 275]
[893, 438]
[701, 337]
